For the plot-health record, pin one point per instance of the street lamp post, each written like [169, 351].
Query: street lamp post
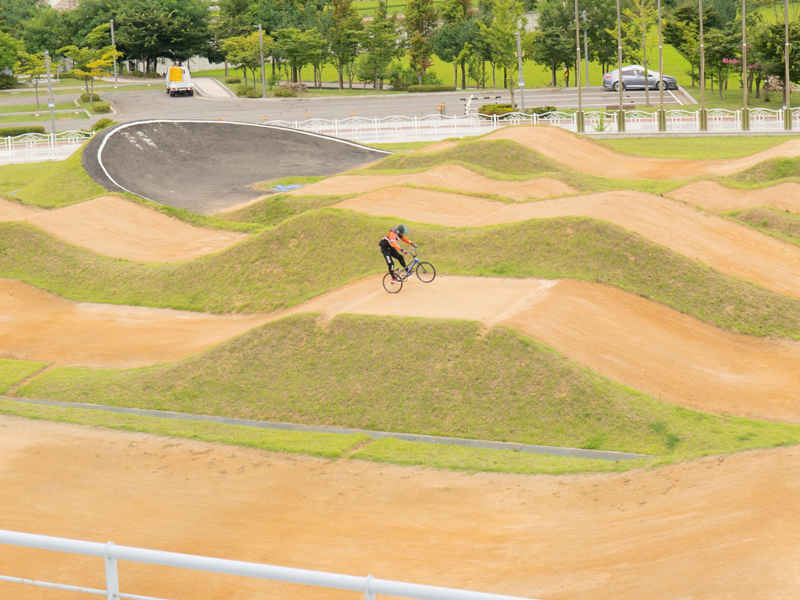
[579, 115]
[521, 74]
[703, 114]
[745, 110]
[114, 45]
[620, 84]
[787, 85]
[662, 114]
[50, 102]
[261, 51]
[585, 47]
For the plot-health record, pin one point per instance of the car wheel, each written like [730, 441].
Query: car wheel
[616, 86]
[661, 86]
[172, 94]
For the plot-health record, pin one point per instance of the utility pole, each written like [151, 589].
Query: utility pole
[662, 114]
[620, 84]
[521, 74]
[703, 113]
[261, 51]
[644, 59]
[787, 85]
[50, 102]
[585, 48]
[114, 45]
[745, 110]
[579, 125]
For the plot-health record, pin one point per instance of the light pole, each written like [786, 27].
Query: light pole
[50, 102]
[662, 115]
[787, 85]
[521, 74]
[579, 114]
[585, 47]
[703, 114]
[745, 110]
[114, 45]
[620, 84]
[261, 52]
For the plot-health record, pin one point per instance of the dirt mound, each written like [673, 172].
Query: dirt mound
[720, 198]
[207, 166]
[637, 342]
[718, 527]
[453, 177]
[14, 211]
[584, 155]
[728, 247]
[123, 229]
[42, 327]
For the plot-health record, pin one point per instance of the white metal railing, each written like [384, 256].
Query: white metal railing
[38, 147]
[111, 553]
[437, 127]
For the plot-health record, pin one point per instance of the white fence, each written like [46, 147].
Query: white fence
[432, 128]
[38, 147]
[111, 554]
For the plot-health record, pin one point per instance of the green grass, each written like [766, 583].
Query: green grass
[276, 209]
[12, 108]
[16, 177]
[290, 180]
[732, 97]
[279, 267]
[14, 371]
[63, 184]
[44, 116]
[402, 146]
[694, 148]
[770, 171]
[315, 444]
[77, 91]
[496, 385]
[781, 224]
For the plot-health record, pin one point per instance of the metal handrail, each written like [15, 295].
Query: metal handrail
[111, 553]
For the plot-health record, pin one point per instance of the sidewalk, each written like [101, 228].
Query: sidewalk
[209, 87]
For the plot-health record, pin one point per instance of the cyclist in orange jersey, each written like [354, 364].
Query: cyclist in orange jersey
[391, 249]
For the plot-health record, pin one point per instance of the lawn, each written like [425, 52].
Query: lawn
[43, 116]
[694, 148]
[13, 108]
[12, 372]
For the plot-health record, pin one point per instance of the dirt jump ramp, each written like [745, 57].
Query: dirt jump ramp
[727, 246]
[207, 166]
[589, 157]
[719, 198]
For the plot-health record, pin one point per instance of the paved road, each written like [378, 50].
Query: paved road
[148, 104]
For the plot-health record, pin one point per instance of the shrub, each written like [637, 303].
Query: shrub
[87, 98]
[152, 75]
[253, 93]
[233, 80]
[103, 123]
[284, 93]
[242, 90]
[7, 81]
[102, 108]
[14, 131]
[495, 109]
[431, 88]
[70, 75]
[136, 74]
[540, 110]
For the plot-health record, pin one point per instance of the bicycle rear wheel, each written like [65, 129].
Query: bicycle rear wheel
[426, 272]
[392, 286]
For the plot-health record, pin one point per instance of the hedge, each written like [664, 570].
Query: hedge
[503, 109]
[284, 93]
[14, 131]
[431, 88]
[88, 98]
[7, 81]
[101, 108]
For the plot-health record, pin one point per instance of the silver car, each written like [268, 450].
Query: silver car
[633, 77]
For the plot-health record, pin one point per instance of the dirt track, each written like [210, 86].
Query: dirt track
[586, 156]
[453, 177]
[727, 246]
[42, 327]
[719, 198]
[721, 528]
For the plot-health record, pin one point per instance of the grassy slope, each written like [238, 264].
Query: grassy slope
[276, 209]
[277, 268]
[14, 371]
[782, 224]
[769, 171]
[345, 373]
[66, 183]
[16, 177]
[693, 148]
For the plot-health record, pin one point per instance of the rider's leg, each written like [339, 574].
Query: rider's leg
[399, 258]
[389, 262]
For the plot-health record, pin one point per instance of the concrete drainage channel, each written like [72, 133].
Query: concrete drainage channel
[406, 437]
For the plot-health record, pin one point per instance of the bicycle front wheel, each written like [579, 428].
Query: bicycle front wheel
[426, 272]
[390, 285]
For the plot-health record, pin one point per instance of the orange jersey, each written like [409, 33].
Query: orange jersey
[392, 238]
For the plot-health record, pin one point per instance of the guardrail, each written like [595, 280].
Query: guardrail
[432, 128]
[40, 147]
[111, 554]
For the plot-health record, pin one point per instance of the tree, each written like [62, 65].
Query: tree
[245, 52]
[344, 36]
[453, 42]
[768, 43]
[639, 39]
[601, 20]
[300, 48]
[380, 43]
[33, 67]
[553, 42]
[720, 48]
[9, 49]
[83, 60]
[501, 36]
[420, 25]
[232, 20]
[44, 30]
[14, 13]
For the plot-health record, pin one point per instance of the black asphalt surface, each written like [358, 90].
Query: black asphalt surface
[205, 167]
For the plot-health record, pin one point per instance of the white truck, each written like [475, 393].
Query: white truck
[179, 81]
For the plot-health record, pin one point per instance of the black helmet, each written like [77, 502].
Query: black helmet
[401, 230]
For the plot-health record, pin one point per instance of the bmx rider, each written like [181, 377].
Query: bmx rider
[391, 249]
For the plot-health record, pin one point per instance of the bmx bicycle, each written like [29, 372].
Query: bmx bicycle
[424, 270]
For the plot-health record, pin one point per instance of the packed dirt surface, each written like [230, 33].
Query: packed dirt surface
[14, 211]
[718, 527]
[452, 177]
[116, 227]
[43, 327]
[640, 343]
[719, 198]
[586, 156]
[727, 246]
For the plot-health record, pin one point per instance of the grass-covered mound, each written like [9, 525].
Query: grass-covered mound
[63, 183]
[454, 381]
[694, 148]
[12, 372]
[276, 209]
[779, 223]
[322, 250]
[773, 170]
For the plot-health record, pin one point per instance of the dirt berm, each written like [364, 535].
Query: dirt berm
[206, 166]
[720, 198]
